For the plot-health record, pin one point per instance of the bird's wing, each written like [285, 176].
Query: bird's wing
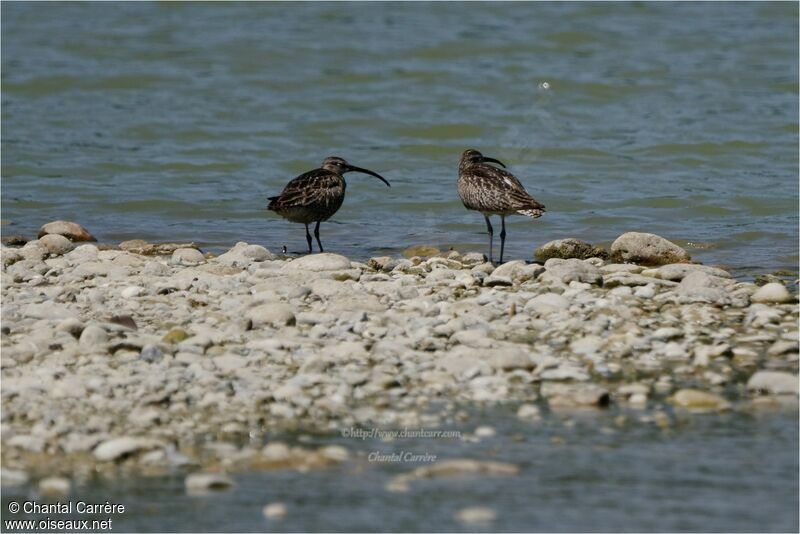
[511, 188]
[307, 188]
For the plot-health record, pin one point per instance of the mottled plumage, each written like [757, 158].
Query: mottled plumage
[316, 195]
[493, 191]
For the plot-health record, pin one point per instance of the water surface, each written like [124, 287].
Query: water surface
[170, 121]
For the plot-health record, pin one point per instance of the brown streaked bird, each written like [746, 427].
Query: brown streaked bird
[316, 195]
[492, 191]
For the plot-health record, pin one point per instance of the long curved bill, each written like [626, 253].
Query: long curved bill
[367, 171]
[492, 160]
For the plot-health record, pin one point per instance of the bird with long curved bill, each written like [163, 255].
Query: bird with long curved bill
[314, 196]
[493, 191]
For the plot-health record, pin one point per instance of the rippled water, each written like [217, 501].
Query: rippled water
[175, 121]
[578, 473]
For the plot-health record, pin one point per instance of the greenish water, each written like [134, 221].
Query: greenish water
[171, 121]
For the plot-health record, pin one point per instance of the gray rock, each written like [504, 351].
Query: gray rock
[119, 448]
[70, 230]
[242, 255]
[569, 248]
[561, 395]
[13, 477]
[678, 271]
[56, 244]
[546, 303]
[151, 353]
[700, 401]
[646, 249]
[572, 270]
[773, 383]
[700, 287]
[276, 315]
[772, 292]
[318, 262]
[200, 483]
[187, 256]
[93, 335]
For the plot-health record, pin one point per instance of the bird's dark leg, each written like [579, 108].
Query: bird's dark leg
[308, 238]
[316, 234]
[491, 234]
[502, 237]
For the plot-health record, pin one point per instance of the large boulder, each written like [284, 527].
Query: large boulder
[647, 249]
[569, 248]
[70, 230]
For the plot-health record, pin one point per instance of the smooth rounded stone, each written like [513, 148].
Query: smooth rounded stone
[678, 271]
[546, 303]
[560, 395]
[773, 383]
[497, 281]
[630, 279]
[569, 248]
[120, 448]
[383, 263]
[646, 249]
[565, 371]
[462, 467]
[529, 412]
[201, 483]
[13, 477]
[509, 358]
[475, 515]
[701, 287]
[71, 325]
[645, 292]
[242, 255]
[566, 271]
[517, 270]
[783, 347]
[772, 293]
[175, 335]
[621, 268]
[56, 244]
[696, 400]
[132, 291]
[666, 333]
[93, 335]
[54, 487]
[70, 230]
[155, 268]
[324, 261]
[151, 353]
[275, 315]
[187, 256]
[473, 258]
[275, 510]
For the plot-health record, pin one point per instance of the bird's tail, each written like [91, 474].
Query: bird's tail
[534, 209]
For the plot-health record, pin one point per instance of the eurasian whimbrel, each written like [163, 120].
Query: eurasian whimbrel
[316, 195]
[493, 191]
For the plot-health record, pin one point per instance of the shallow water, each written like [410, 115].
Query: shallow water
[578, 472]
[168, 121]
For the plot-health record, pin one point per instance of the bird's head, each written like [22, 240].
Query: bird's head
[473, 157]
[340, 166]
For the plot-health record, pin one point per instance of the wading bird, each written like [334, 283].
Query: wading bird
[492, 191]
[316, 195]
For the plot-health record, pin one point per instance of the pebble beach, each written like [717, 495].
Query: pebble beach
[158, 358]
